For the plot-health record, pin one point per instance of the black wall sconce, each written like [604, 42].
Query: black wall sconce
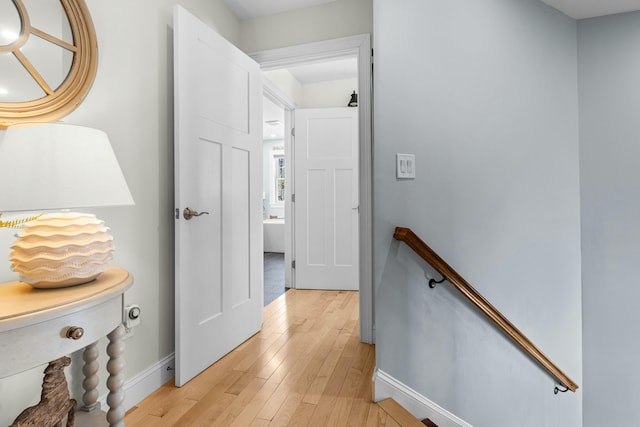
[353, 102]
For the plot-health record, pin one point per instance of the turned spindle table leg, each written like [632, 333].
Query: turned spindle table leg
[90, 382]
[115, 367]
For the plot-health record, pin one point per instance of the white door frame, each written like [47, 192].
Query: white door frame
[359, 45]
[279, 98]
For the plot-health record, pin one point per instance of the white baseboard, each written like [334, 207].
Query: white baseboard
[137, 388]
[384, 386]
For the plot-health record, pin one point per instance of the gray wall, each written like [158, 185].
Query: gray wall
[609, 72]
[484, 93]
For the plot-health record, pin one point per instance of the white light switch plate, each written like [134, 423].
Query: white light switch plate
[405, 166]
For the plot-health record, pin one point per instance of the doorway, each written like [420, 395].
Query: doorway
[358, 46]
[274, 167]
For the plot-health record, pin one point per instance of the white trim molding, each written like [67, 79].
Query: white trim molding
[385, 386]
[280, 98]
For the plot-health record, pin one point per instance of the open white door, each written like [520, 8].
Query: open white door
[326, 198]
[218, 167]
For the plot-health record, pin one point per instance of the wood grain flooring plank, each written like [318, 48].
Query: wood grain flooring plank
[364, 395]
[285, 357]
[317, 387]
[329, 396]
[258, 423]
[351, 385]
[306, 367]
[374, 416]
[303, 414]
[296, 375]
[342, 409]
[399, 414]
[287, 376]
[162, 415]
[250, 411]
[242, 400]
[287, 410]
[212, 404]
[160, 399]
[258, 363]
[318, 358]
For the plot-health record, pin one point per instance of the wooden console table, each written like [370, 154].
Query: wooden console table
[41, 325]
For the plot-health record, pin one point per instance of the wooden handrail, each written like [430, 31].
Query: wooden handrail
[425, 252]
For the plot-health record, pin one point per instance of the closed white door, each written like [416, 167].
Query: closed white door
[218, 166]
[326, 198]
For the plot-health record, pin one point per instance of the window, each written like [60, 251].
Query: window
[279, 180]
[277, 174]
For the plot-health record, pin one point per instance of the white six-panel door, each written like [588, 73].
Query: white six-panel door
[218, 167]
[326, 198]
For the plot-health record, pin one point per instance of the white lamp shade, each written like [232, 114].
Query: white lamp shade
[59, 166]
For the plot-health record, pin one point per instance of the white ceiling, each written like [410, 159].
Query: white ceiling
[245, 9]
[338, 69]
[578, 9]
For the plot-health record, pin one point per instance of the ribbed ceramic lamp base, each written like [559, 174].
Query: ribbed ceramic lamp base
[61, 249]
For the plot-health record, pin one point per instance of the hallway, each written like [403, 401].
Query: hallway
[307, 367]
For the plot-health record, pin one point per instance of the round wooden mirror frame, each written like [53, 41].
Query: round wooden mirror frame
[60, 101]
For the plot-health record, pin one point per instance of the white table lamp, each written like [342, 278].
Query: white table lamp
[57, 166]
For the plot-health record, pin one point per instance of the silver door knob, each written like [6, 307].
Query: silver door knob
[188, 213]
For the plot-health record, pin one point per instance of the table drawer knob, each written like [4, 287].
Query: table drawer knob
[75, 332]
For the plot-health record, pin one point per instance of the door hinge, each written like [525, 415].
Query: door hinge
[293, 198]
[293, 264]
[177, 213]
[293, 131]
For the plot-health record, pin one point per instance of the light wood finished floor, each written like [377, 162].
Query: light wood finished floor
[307, 367]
